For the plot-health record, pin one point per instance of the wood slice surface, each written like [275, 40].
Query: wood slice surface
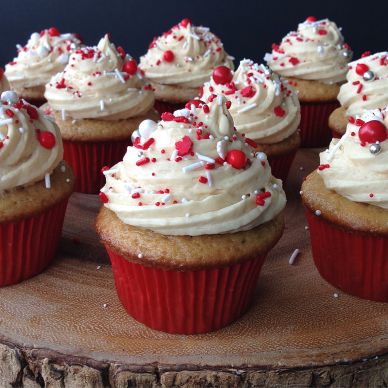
[66, 327]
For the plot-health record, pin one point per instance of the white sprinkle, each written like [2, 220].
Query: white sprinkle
[102, 105]
[207, 52]
[306, 227]
[166, 198]
[205, 158]
[174, 155]
[95, 56]
[119, 76]
[98, 267]
[275, 186]
[184, 200]
[63, 168]
[73, 121]
[301, 192]
[68, 180]
[101, 58]
[63, 115]
[267, 57]
[243, 197]
[192, 167]
[221, 148]
[226, 138]
[6, 121]
[47, 181]
[335, 295]
[301, 168]
[105, 305]
[219, 100]
[337, 146]
[209, 178]
[187, 215]
[318, 213]
[140, 255]
[292, 258]
[247, 108]
[194, 36]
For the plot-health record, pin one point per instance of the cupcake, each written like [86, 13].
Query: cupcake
[45, 54]
[188, 218]
[35, 185]
[346, 202]
[265, 110]
[180, 61]
[314, 60]
[98, 101]
[366, 88]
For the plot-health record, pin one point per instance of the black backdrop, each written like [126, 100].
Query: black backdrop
[247, 28]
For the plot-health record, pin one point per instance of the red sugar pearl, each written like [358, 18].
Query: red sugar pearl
[53, 31]
[236, 158]
[361, 68]
[130, 67]
[185, 22]
[311, 19]
[46, 139]
[202, 179]
[168, 56]
[222, 75]
[372, 131]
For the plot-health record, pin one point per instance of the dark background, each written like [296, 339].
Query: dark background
[247, 28]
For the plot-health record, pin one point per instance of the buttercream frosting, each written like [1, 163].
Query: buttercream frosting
[45, 54]
[367, 84]
[356, 166]
[100, 82]
[184, 56]
[264, 107]
[316, 51]
[30, 144]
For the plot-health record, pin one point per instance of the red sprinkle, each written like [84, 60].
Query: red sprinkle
[184, 146]
[9, 113]
[167, 116]
[279, 111]
[251, 142]
[148, 143]
[143, 161]
[206, 109]
[322, 167]
[103, 169]
[248, 91]
[103, 197]
[53, 31]
[294, 61]
[202, 179]
[135, 195]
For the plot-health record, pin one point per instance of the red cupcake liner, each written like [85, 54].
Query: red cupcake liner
[162, 106]
[28, 246]
[281, 164]
[354, 262]
[314, 128]
[87, 158]
[185, 302]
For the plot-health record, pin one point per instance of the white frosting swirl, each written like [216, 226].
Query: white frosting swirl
[196, 52]
[30, 143]
[198, 192]
[264, 107]
[44, 55]
[352, 170]
[359, 94]
[95, 85]
[316, 51]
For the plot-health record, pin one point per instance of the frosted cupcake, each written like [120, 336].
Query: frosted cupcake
[45, 54]
[180, 61]
[346, 203]
[188, 218]
[314, 59]
[265, 110]
[366, 88]
[35, 185]
[98, 101]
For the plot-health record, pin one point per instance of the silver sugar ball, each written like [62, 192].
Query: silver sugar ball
[368, 75]
[375, 148]
[347, 54]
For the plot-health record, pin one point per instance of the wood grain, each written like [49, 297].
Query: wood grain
[66, 326]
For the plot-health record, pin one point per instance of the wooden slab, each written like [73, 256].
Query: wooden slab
[67, 325]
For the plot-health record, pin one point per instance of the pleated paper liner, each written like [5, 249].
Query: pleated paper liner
[281, 164]
[314, 128]
[87, 158]
[185, 302]
[354, 262]
[162, 106]
[28, 246]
